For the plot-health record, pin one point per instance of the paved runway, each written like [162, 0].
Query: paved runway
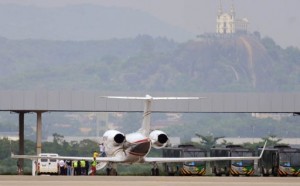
[146, 181]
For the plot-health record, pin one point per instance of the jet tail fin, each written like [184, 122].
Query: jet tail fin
[145, 128]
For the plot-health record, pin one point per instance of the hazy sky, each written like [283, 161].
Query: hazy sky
[278, 19]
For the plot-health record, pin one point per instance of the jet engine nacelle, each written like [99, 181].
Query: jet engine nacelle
[158, 139]
[113, 137]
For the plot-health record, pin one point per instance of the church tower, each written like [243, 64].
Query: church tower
[225, 21]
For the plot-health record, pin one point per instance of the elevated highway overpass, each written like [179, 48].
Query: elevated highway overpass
[90, 101]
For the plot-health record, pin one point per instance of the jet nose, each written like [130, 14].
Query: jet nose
[141, 148]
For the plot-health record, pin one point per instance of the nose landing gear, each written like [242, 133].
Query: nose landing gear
[111, 170]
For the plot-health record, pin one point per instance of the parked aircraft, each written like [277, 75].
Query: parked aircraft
[134, 147]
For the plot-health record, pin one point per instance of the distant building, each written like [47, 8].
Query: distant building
[227, 23]
[241, 25]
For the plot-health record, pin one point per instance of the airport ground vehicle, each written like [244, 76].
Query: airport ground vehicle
[232, 167]
[184, 168]
[47, 166]
[280, 160]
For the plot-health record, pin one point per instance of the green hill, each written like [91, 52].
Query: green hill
[212, 64]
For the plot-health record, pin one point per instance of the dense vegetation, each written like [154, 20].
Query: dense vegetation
[212, 64]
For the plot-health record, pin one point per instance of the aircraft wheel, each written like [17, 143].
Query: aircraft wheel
[170, 171]
[108, 171]
[218, 173]
[111, 172]
[154, 172]
[263, 172]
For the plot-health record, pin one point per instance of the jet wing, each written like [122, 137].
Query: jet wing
[102, 159]
[195, 159]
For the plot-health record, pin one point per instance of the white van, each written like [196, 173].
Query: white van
[47, 166]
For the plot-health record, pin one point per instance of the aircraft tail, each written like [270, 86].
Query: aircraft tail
[145, 128]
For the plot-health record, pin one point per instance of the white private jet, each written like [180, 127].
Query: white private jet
[134, 147]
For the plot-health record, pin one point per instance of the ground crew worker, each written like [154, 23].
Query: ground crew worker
[79, 168]
[95, 154]
[82, 166]
[87, 166]
[102, 150]
[19, 167]
[75, 167]
[94, 163]
[69, 167]
[61, 164]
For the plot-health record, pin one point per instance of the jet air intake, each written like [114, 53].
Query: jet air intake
[113, 137]
[158, 138]
[162, 138]
[119, 138]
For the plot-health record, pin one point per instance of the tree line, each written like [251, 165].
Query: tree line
[239, 63]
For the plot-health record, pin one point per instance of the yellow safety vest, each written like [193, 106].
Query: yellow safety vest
[75, 164]
[82, 163]
[94, 163]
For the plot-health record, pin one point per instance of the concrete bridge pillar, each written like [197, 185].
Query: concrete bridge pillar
[39, 133]
[21, 141]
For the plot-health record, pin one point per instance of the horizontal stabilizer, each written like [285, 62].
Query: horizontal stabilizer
[148, 97]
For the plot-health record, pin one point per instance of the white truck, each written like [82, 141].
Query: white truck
[47, 166]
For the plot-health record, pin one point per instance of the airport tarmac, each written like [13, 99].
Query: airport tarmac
[146, 181]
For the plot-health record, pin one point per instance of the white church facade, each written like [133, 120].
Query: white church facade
[227, 23]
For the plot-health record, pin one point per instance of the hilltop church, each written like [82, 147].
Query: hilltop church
[227, 23]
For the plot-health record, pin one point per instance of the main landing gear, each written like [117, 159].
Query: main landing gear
[111, 170]
[155, 170]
